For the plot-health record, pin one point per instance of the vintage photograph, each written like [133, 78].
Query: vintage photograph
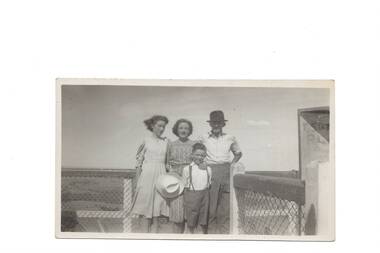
[195, 159]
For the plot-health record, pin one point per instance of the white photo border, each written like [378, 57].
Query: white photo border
[329, 184]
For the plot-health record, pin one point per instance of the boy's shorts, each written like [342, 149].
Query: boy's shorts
[196, 207]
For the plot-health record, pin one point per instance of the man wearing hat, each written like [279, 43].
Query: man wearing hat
[219, 148]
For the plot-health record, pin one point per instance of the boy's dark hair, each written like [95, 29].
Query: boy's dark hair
[149, 123]
[200, 146]
[176, 125]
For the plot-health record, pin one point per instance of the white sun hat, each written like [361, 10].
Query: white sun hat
[170, 185]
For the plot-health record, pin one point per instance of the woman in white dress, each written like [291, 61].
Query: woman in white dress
[151, 160]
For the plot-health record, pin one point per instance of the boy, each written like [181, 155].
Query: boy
[196, 196]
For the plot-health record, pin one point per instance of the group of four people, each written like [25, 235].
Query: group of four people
[204, 202]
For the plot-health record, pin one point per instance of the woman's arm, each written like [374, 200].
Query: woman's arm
[168, 155]
[140, 158]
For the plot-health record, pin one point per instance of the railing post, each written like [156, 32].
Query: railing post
[299, 215]
[127, 203]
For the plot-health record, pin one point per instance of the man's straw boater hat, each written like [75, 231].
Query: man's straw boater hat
[217, 116]
[170, 185]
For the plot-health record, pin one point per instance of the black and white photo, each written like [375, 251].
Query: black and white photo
[195, 159]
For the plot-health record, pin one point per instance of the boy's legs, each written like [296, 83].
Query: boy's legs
[192, 203]
[204, 211]
[191, 229]
[204, 229]
[178, 227]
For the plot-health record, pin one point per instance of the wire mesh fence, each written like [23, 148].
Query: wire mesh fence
[269, 205]
[99, 201]
[96, 200]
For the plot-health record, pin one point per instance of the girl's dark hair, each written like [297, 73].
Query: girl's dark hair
[149, 123]
[176, 125]
[200, 146]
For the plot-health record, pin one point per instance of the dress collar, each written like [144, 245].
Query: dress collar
[157, 138]
[186, 141]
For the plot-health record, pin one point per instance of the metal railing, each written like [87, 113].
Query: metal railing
[97, 195]
[98, 200]
[269, 205]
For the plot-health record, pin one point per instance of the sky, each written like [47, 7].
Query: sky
[102, 126]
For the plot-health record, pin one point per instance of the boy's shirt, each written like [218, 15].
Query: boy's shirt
[199, 177]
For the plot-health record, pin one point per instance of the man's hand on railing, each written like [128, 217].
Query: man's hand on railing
[237, 168]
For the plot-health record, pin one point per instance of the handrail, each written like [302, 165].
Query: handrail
[285, 188]
[92, 172]
[286, 174]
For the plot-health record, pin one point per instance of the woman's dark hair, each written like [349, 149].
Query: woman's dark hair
[176, 125]
[200, 146]
[149, 123]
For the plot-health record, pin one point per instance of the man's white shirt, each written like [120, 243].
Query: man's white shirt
[219, 148]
